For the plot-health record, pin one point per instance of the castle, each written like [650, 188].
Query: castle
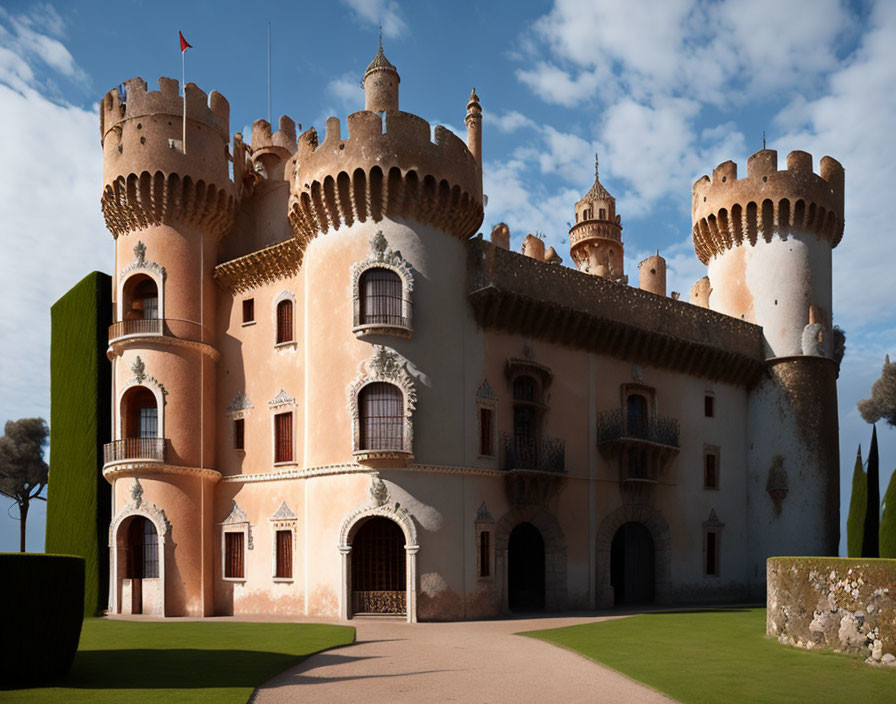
[332, 397]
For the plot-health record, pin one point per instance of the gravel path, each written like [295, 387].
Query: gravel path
[474, 662]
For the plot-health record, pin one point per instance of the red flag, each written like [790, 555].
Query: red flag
[184, 44]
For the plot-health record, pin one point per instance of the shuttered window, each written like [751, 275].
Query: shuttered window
[381, 297]
[382, 417]
[283, 437]
[284, 554]
[284, 322]
[233, 556]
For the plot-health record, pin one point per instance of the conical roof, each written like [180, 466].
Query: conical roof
[380, 61]
[597, 191]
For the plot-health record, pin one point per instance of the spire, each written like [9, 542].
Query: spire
[597, 192]
[473, 102]
[596, 164]
[380, 60]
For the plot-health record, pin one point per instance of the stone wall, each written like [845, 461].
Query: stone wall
[847, 605]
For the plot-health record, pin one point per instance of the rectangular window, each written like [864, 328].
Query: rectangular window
[712, 554]
[233, 556]
[484, 566]
[709, 403]
[151, 308]
[284, 554]
[150, 550]
[283, 437]
[148, 423]
[249, 310]
[284, 322]
[239, 434]
[485, 432]
[710, 469]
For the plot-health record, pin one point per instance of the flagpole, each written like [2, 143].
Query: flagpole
[183, 82]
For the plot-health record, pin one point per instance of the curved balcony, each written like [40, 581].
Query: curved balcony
[185, 330]
[386, 315]
[537, 454]
[142, 449]
[614, 426]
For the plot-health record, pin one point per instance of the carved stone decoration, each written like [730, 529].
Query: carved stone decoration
[483, 515]
[137, 493]
[142, 263]
[139, 370]
[284, 513]
[388, 366]
[282, 399]
[238, 518]
[637, 373]
[378, 491]
[485, 391]
[713, 521]
[142, 378]
[384, 258]
[240, 402]
[777, 486]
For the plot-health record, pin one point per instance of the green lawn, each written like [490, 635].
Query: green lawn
[197, 661]
[722, 655]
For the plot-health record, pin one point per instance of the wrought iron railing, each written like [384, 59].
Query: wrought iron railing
[135, 449]
[383, 310]
[615, 425]
[525, 452]
[169, 327]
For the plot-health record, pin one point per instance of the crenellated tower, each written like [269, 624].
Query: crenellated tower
[767, 241]
[167, 204]
[595, 240]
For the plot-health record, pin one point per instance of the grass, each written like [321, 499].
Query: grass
[197, 661]
[722, 655]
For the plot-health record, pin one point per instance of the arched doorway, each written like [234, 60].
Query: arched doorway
[140, 561]
[632, 565]
[525, 569]
[379, 577]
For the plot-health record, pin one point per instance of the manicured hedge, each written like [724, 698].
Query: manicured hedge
[41, 611]
[78, 502]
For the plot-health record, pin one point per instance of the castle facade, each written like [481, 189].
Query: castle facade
[332, 397]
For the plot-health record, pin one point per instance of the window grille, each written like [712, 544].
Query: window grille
[381, 417]
[150, 550]
[233, 556]
[148, 423]
[524, 389]
[381, 298]
[143, 549]
[283, 437]
[284, 554]
[239, 434]
[378, 557]
[284, 322]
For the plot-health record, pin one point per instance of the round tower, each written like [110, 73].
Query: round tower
[167, 203]
[380, 84]
[652, 275]
[595, 240]
[767, 240]
[473, 121]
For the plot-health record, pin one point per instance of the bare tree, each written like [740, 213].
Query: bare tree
[882, 403]
[23, 472]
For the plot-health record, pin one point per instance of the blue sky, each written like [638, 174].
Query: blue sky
[663, 89]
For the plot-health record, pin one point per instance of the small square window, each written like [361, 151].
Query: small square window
[239, 434]
[486, 432]
[710, 469]
[709, 405]
[249, 310]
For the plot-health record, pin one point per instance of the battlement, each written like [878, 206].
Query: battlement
[210, 109]
[726, 211]
[406, 168]
[263, 140]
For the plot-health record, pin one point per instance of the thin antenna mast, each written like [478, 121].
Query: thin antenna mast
[269, 72]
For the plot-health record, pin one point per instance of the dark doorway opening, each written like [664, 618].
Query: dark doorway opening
[378, 568]
[525, 569]
[142, 558]
[632, 565]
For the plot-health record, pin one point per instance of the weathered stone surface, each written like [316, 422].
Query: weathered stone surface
[846, 605]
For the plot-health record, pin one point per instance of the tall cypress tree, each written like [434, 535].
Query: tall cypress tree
[858, 503]
[888, 521]
[870, 540]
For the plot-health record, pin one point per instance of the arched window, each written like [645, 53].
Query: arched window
[381, 298]
[141, 298]
[636, 416]
[284, 322]
[139, 414]
[381, 409]
[143, 549]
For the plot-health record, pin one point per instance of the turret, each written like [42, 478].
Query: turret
[473, 121]
[595, 240]
[652, 275]
[380, 84]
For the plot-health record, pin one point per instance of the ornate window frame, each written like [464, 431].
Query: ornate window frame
[486, 399]
[236, 522]
[282, 403]
[141, 378]
[713, 525]
[238, 410]
[141, 265]
[288, 344]
[381, 257]
[283, 519]
[388, 366]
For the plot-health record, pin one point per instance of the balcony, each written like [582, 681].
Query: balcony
[615, 427]
[144, 449]
[383, 315]
[537, 454]
[158, 327]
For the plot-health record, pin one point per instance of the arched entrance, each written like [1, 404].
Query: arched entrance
[525, 569]
[138, 557]
[632, 565]
[379, 574]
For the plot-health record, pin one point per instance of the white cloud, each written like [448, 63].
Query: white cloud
[508, 122]
[556, 85]
[385, 13]
[347, 89]
[28, 36]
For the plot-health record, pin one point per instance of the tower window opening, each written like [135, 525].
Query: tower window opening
[239, 434]
[234, 565]
[710, 469]
[283, 437]
[636, 416]
[602, 214]
[284, 322]
[381, 408]
[284, 554]
[712, 553]
[381, 298]
[484, 566]
[486, 432]
[143, 550]
[709, 405]
[249, 310]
